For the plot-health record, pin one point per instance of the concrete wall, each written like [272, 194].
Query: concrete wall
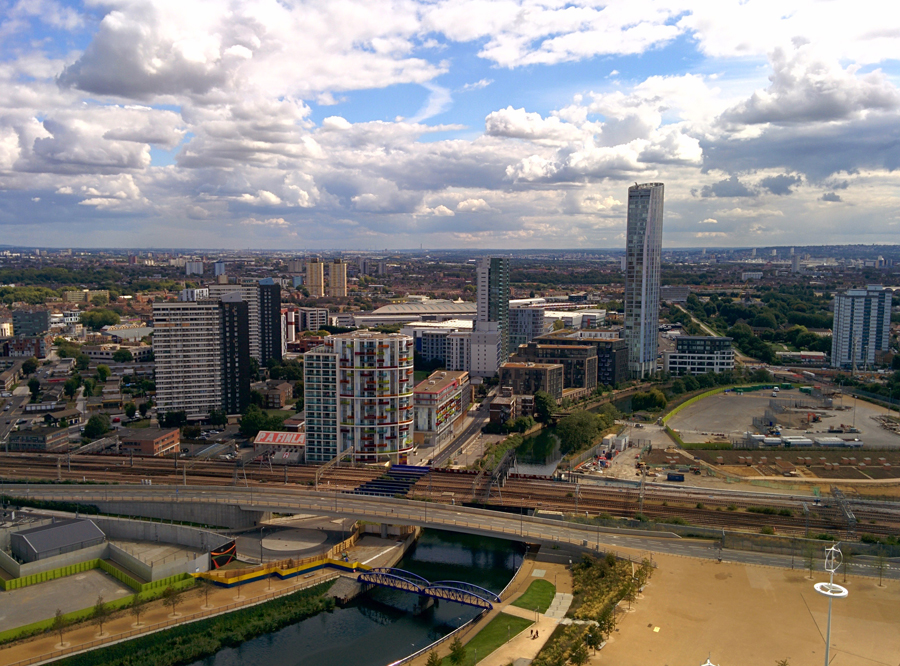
[220, 515]
[100, 551]
[137, 530]
[7, 532]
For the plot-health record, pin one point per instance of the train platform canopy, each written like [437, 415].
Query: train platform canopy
[60, 536]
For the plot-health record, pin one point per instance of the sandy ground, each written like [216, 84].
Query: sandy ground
[743, 614]
[733, 414]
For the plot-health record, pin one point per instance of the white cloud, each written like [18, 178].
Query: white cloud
[709, 220]
[473, 206]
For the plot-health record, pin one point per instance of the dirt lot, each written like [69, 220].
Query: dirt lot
[730, 413]
[830, 464]
[743, 614]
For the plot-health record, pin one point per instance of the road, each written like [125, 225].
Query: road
[453, 518]
[478, 422]
[9, 417]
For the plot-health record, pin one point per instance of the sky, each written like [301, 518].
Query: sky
[506, 124]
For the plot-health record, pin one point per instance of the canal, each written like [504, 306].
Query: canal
[385, 625]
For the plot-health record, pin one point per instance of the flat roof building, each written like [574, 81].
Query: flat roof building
[61, 536]
[441, 403]
[525, 378]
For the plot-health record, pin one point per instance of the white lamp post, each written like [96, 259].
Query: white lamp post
[833, 559]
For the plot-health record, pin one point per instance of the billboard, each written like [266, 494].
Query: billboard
[271, 437]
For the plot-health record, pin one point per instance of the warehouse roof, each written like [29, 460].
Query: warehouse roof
[62, 533]
[431, 306]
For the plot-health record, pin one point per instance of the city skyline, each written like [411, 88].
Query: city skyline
[450, 124]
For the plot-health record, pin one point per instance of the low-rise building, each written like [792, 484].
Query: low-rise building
[504, 407]
[277, 394]
[39, 439]
[579, 361]
[150, 441]
[441, 402]
[527, 378]
[699, 354]
[59, 537]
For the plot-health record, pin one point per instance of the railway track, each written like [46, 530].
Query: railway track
[704, 508]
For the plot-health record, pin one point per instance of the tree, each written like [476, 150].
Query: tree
[89, 385]
[847, 562]
[218, 417]
[35, 387]
[579, 655]
[253, 421]
[135, 609]
[544, 404]
[99, 300]
[593, 639]
[100, 613]
[577, 431]
[761, 376]
[172, 419]
[59, 624]
[809, 555]
[82, 361]
[30, 365]
[103, 372]
[97, 426]
[457, 651]
[144, 407]
[256, 398]
[880, 565]
[123, 356]
[97, 319]
[70, 388]
[130, 410]
[171, 597]
[433, 659]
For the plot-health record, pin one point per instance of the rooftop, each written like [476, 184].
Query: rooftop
[144, 434]
[440, 380]
[431, 306]
[62, 533]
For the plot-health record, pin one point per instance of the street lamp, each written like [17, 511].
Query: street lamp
[261, 530]
[833, 559]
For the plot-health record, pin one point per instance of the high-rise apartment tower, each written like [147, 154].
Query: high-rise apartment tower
[643, 249]
[315, 277]
[862, 326]
[490, 337]
[337, 279]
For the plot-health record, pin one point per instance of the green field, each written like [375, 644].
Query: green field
[538, 595]
[492, 636]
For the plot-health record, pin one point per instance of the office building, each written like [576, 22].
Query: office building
[490, 338]
[643, 249]
[359, 397]
[250, 293]
[862, 326]
[187, 346]
[441, 403]
[30, 322]
[527, 378]
[270, 326]
[235, 325]
[337, 279]
[699, 354]
[315, 277]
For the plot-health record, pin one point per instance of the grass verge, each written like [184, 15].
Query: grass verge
[493, 635]
[538, 595]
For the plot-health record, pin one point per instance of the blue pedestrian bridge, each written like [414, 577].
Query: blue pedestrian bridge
[449, 590]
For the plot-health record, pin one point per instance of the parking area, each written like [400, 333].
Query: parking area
[41, 601]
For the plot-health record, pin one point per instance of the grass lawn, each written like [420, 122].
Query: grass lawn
[538, 595]
[141, 423]
[492, 636]
[419, 375]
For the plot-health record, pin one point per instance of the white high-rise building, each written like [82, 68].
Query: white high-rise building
[862, 326]
[358, 394]
[250, 293]
[187, 346]
[643, 250]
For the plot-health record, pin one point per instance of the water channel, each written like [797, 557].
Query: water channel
[384, 625]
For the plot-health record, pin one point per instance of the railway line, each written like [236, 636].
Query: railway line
[785, 514]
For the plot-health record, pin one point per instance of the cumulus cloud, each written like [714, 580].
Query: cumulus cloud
[473, 206]
[709, 220]
[267, 222]
[730, 187]
[806, 88]
[831, 197]
[780, 184]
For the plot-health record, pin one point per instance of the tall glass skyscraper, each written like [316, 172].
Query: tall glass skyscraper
[643, 247]
[490, 338]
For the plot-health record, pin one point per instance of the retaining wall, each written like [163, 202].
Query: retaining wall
[219, 515]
